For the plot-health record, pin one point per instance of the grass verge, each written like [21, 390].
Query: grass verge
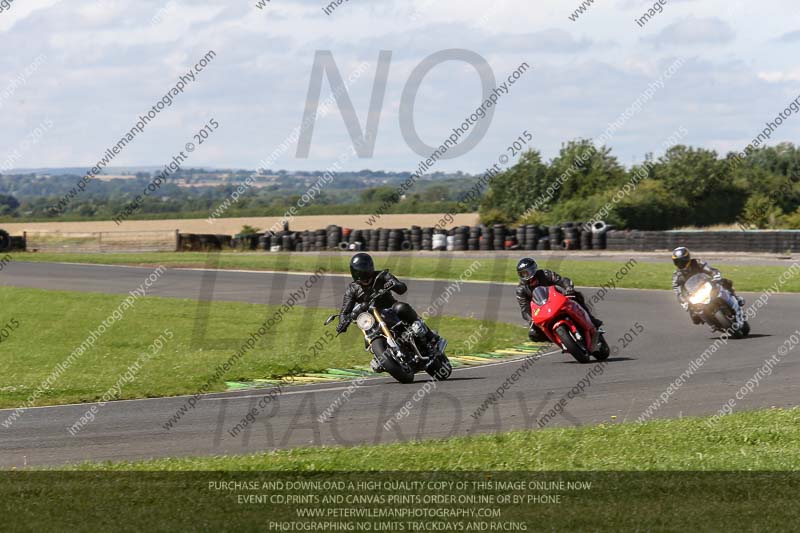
[51, 324]
[639, 275]
[663, 475]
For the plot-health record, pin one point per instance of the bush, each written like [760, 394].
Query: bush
[760, 212]
[652, 207]
[538, 218]
[248, 230]
[792, 221]
[586, 209]
[495, 216]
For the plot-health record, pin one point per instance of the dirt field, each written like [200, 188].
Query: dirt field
[230, 226]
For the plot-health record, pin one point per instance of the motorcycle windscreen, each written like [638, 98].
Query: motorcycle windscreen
[694, 283]
[540, 295]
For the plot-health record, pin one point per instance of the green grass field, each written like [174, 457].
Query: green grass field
[756, 440]
[51, 324]
[641, 275]
[663, 475]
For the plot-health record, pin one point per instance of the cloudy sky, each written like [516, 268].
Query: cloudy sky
[102, 64]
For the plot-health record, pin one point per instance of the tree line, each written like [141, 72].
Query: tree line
[686, 187]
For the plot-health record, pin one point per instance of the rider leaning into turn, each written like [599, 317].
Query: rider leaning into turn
[366, 282]
[688, 267]
[530, 277]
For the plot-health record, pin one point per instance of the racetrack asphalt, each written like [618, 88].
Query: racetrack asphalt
[643, 369]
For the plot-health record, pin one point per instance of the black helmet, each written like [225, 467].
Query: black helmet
[681, 257]
[362, 268]
[527, 269]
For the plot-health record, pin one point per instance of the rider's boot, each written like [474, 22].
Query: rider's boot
[739, 317]
[739, 299]
[426, 334]
[596, 321]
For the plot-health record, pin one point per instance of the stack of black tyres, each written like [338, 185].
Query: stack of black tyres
[374, 237]
[334, 235]
[512, 239]
[532, 235]
[405, 244]
[599, 235]
[287, 241]
[427, 239]
[383, 239]
[571, 236]
[499, 236]
[395, 240]
[586, 237]
[251, 241]
[556, 236]
[416, 238]
[522, 238]
[356, 236]
[460, 237]
[474, 240]
[5, 241]
[487, 238]
[599, 240]
[320, 239]
[543, 243]
[207, 242]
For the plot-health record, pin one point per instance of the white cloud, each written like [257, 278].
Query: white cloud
[108, 61]
[19, 11]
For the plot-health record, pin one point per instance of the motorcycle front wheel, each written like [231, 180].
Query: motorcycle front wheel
[399, 371]
[572, 345]
[603, 351]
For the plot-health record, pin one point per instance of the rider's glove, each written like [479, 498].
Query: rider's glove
[684, 306]
[389, 285]
[717, 276]
[569, 291]
[342, 327]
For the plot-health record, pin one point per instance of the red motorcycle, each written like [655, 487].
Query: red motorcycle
[567, 324]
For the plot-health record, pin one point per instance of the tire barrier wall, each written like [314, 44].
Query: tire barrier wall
[567, 236]
[763, 241]
[9, 243]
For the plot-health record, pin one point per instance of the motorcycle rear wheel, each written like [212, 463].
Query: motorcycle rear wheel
[572, 346]
[399, 371]
[745, 329]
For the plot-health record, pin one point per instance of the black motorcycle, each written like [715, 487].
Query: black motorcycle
[394, 344]
[714, 304]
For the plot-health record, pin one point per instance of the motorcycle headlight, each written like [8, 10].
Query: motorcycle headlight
[365, 321]
[701, 295]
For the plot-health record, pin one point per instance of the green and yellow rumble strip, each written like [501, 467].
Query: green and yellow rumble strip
[339, 374]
